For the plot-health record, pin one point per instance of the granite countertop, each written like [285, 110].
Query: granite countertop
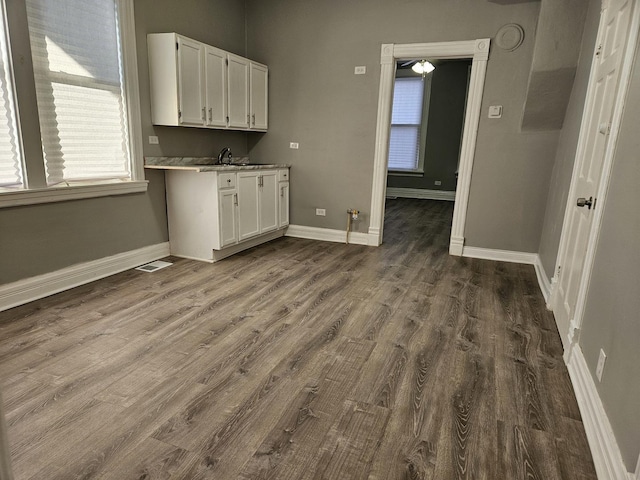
[204, 164]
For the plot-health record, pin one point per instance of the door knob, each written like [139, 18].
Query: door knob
[583, 202]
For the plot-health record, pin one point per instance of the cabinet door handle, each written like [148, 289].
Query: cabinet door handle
[210, 114]
[204, 115]
[235, 199]
[282, 191]
[253, 119]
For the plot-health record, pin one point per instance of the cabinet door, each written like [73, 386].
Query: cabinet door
[190, 86]
[227, 216]
[215, 86]
[259, 96]
[238, 87]
[248, 204]
[284, 204]
[269, 198]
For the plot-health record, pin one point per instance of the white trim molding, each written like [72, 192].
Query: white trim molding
[604, 447]
[543, 281]
[500, 255]
[478, 51]
[637, 476]
[29, 289]
[331, 235]
[420, 193]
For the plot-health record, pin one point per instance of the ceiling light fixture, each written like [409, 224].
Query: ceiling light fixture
[423, 67]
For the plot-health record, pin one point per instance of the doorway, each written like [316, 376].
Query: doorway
[478, 52]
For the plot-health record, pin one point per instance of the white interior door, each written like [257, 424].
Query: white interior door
[590, 158]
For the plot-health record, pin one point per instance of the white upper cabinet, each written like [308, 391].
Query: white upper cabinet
[190, 82]
[197, 85]
[215, 86]
[259, 89]
[238, 81]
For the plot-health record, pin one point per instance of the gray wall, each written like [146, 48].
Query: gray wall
[565, 156]
[312, 47]
[42, 238]
[611, 320]
[444, 129]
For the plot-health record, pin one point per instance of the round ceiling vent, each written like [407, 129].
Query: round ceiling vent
[510, 37]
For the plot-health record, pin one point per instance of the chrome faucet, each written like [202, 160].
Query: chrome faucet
[224, 153]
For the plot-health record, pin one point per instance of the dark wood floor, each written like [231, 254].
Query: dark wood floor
[297, 360]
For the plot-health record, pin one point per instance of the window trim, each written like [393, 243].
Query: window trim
[37, 194]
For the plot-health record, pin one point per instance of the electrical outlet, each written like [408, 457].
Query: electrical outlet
[437, 182]
[321, 212]
[361, 70]
[600, 367]
[153, 140]
[294, 145]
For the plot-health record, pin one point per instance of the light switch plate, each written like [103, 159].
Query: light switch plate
[153, 140]
[495, 111]
[360, 70]
[294, 145]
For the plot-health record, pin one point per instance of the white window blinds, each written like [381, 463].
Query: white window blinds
[10, 153]
[406, 117]
[77, 65]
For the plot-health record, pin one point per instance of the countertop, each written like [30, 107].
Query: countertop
[202, 164]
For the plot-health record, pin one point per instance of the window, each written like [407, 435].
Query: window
[85, 75]
[10, 153]
[406, 120]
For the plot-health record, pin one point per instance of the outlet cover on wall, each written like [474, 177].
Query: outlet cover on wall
[153, 140]
[294, 145]
[321, 212]
[600, 367]
[360, 70]
[437, 182]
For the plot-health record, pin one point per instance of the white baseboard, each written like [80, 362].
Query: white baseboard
[330, 235]
[421, 193]
[29, 289]
[500, 255]
[637, 476]
[543, 280]
[456, 246]
[604, 448]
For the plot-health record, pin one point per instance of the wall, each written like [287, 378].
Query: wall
[42, 238]
[312, 47]
[567, 146]
[611, 319]
[444, 129]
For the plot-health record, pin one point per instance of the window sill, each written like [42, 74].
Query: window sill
[406, 173]
[14, 198]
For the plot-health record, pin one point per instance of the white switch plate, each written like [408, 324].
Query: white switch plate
[153, 140]
[600, 367]
[294, 145]
[495, 111]
[321, 212]
[437, 182]
[361, 70]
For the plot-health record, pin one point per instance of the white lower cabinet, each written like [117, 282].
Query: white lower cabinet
[228, 218]
[211, 214]
[258, 202]
[284, 204]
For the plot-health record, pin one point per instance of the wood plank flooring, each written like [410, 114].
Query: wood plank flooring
[297, 360]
